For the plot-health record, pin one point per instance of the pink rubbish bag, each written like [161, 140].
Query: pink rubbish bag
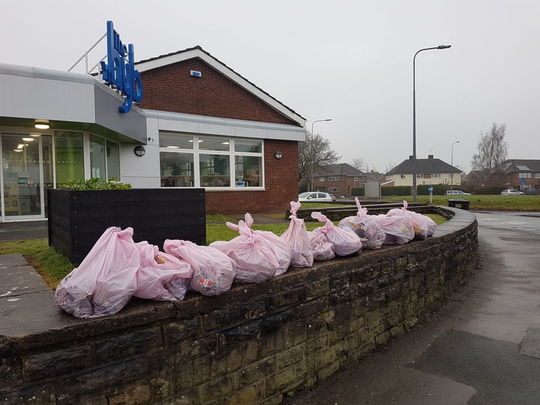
[161, 276]
[322, 249]
[344, 241]
[296, 236]
[423, 226]
[213, 272]
[258, 255]
[369, 231]
[398, 229]
[105, 280]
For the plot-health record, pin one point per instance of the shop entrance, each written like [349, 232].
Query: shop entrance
[26, 174]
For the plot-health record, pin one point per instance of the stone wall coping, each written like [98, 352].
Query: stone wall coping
[48, 325]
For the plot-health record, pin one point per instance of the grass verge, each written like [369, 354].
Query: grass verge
[53, 266]
[484, 202]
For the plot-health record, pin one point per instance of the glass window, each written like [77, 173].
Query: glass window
[248, 171]
[69, 156]
[22, 193]
[173, 140]
[46, 145]
[214, 170]
[176, 169]
[247, 146]
[214, 143]
[113, 161]
[97, 158]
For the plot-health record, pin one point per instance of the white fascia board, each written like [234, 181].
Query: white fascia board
[235, 77]
[201, 124]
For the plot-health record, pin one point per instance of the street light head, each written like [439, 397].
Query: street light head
[444, 46]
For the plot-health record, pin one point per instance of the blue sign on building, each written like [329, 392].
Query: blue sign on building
[119, 71]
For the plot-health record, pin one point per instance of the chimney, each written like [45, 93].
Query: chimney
[430, 156]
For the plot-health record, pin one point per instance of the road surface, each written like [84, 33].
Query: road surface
[482, 348]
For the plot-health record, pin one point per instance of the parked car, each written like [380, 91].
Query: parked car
[532, 191]
[456, 192]
[315, 196]
[511, 191]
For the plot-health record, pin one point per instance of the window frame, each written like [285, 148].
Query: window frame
[231, 153]
[86, 154]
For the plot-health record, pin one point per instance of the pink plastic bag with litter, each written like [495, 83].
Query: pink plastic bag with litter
[423, 226]
[398, 229]
[369, 231]
[296, 236]
[322, 249]
[258, 255]
[344, 241]
[105, 280]
[161, 276]
[213, 272]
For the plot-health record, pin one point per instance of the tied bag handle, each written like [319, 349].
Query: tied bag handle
[295, 206]
[361, 211]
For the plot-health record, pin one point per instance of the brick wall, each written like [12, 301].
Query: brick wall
[171, 88]
[252, 345]
[344, 185]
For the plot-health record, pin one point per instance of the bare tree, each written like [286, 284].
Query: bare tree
[314, 152]
[389, 167]
[359, 164]
[492, 149]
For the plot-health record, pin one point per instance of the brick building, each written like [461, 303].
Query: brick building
[202, 98]
[338, 179]
[521, 174]
[199, 124]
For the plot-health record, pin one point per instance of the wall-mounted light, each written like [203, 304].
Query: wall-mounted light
[28, 139]
[139, 150]
[278, 154]
[17, 150]
[42, 124]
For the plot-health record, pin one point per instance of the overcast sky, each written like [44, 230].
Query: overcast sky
[346, 60]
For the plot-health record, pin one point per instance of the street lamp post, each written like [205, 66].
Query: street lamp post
[312, 134]
[452, 164]
[414, 113]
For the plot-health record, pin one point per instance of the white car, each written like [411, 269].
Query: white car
[456, 192]
[315, 196]
[511, 191]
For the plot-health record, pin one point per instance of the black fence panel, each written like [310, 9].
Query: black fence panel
[78, 218]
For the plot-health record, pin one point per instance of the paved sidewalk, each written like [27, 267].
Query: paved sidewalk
[23, 230]
[482, 348]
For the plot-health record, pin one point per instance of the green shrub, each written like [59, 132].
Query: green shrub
[94, 184]
[422, 189]
[357, 191]
[490, 190]
[397, 190]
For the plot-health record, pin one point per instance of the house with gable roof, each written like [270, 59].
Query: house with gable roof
[428, 171]
[199, 124]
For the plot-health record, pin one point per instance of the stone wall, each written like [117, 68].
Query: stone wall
[254, 344]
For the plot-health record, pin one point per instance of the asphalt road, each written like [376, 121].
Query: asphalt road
[482, 348]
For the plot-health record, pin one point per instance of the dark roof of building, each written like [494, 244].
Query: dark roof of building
[228, 67]
[338, 169]
[427, 166]
[522, 165]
